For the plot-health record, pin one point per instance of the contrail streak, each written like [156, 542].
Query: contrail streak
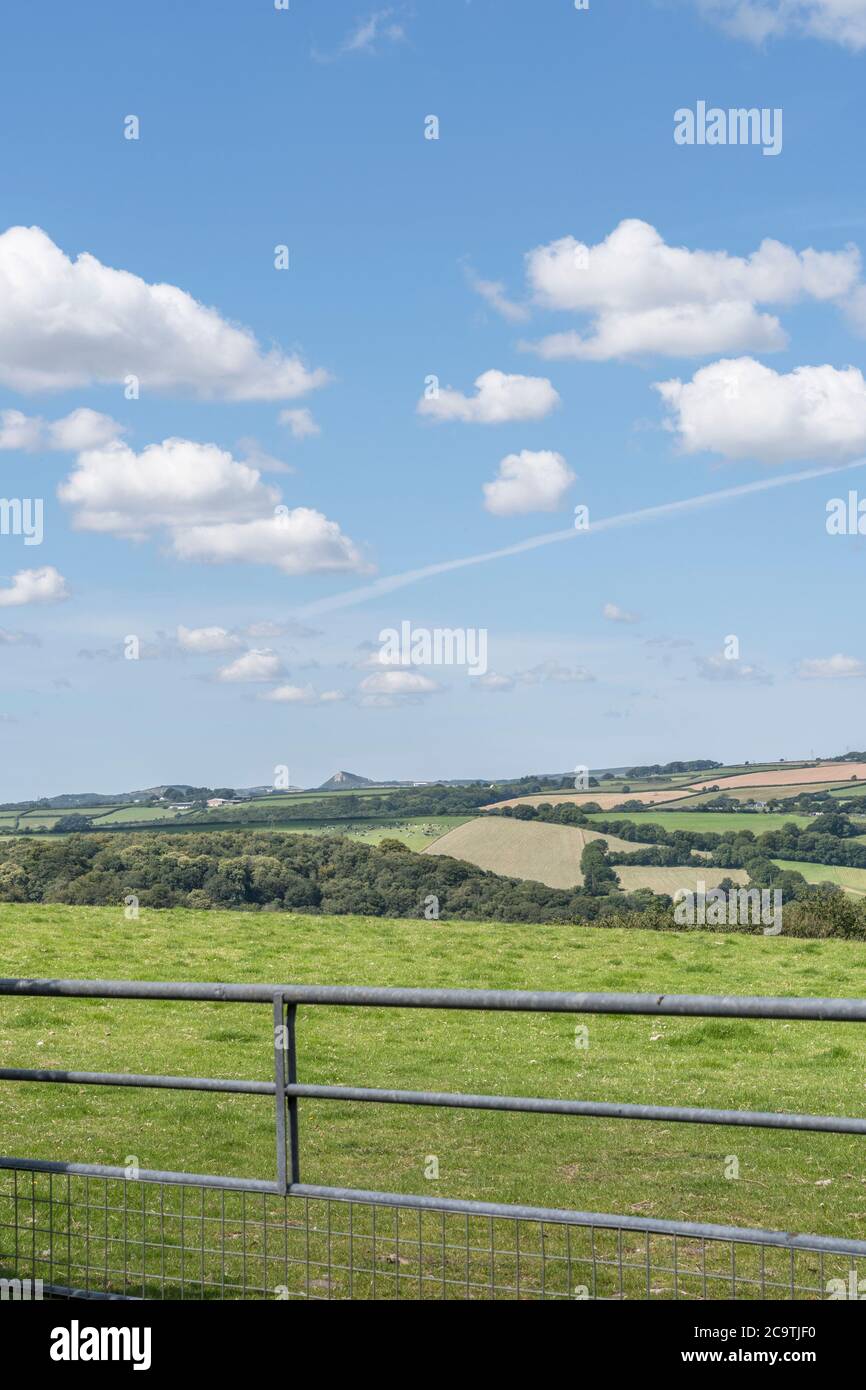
[349, 597]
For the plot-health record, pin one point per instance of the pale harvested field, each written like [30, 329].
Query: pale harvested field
[524, 849]
[826, 772]
[762, 793]
[604, 800]
[632, 876]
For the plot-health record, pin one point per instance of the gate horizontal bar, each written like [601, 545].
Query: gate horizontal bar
[123, 1078]
[516, 1000]
[693, 1230]
[611, 1110]
[104, 1170]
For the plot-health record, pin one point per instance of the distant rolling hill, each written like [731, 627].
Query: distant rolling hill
[344, 781]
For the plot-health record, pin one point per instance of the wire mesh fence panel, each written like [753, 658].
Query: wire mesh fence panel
[127, 1239]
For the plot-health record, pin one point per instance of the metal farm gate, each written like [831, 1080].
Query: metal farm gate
[92, 1231]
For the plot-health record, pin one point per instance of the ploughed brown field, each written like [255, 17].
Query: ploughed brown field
[524, 849]
[785, 777]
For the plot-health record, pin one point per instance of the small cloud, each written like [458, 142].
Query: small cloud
[720, 668]
[553, 672]
[388, 688]
[207, 639]
[494, 683]
[500, 399]
[300, 422]
[493, 291]
[380, 27]
[266, 629]
[258, 665]
[546, 672]
[836, 667]
[615, 614]
[531, 481]
[835, 21]
[254, 456]
[44, 585]
[82, 429]
[292, 695]
[303, 695]
[18, 639]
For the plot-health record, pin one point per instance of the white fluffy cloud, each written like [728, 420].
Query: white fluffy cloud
[303, 695]
[213, 508]
[499, 398]
[260, 664]
[82, 429]
[175, 483]
[66, 323]
[831, 668]
[298, 541]
[839, 21]
[643, 296]
[742, 409]
[207, 640]
[388, 688]
[399, 683]
[531, 481]
[44, 585]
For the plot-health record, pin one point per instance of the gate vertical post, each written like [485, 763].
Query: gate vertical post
[280, 1059]
[292, 1068]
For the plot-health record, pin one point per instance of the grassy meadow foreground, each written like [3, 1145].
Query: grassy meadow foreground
[809, 1182]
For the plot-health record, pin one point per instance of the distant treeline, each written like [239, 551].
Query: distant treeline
[664, 769]
[252, 871]
[410, 801]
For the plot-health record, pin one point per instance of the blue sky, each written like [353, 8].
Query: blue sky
[555, 232]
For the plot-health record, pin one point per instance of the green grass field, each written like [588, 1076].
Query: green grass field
[415, 831]
[133, 815]
[717, 822]
[852, 880]
[808, 1182]
[849, 789]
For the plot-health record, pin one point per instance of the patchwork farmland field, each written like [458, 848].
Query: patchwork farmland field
[415, 831]
[812, 1182]
[801, 776]
[524, 849]
[748, 794]
[132, 815]
[634, 876]
[606, 800]
[852, 880]
[716, 822]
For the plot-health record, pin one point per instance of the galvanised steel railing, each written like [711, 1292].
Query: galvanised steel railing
[284, 1001]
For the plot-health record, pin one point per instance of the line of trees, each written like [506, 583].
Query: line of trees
[262, 871]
